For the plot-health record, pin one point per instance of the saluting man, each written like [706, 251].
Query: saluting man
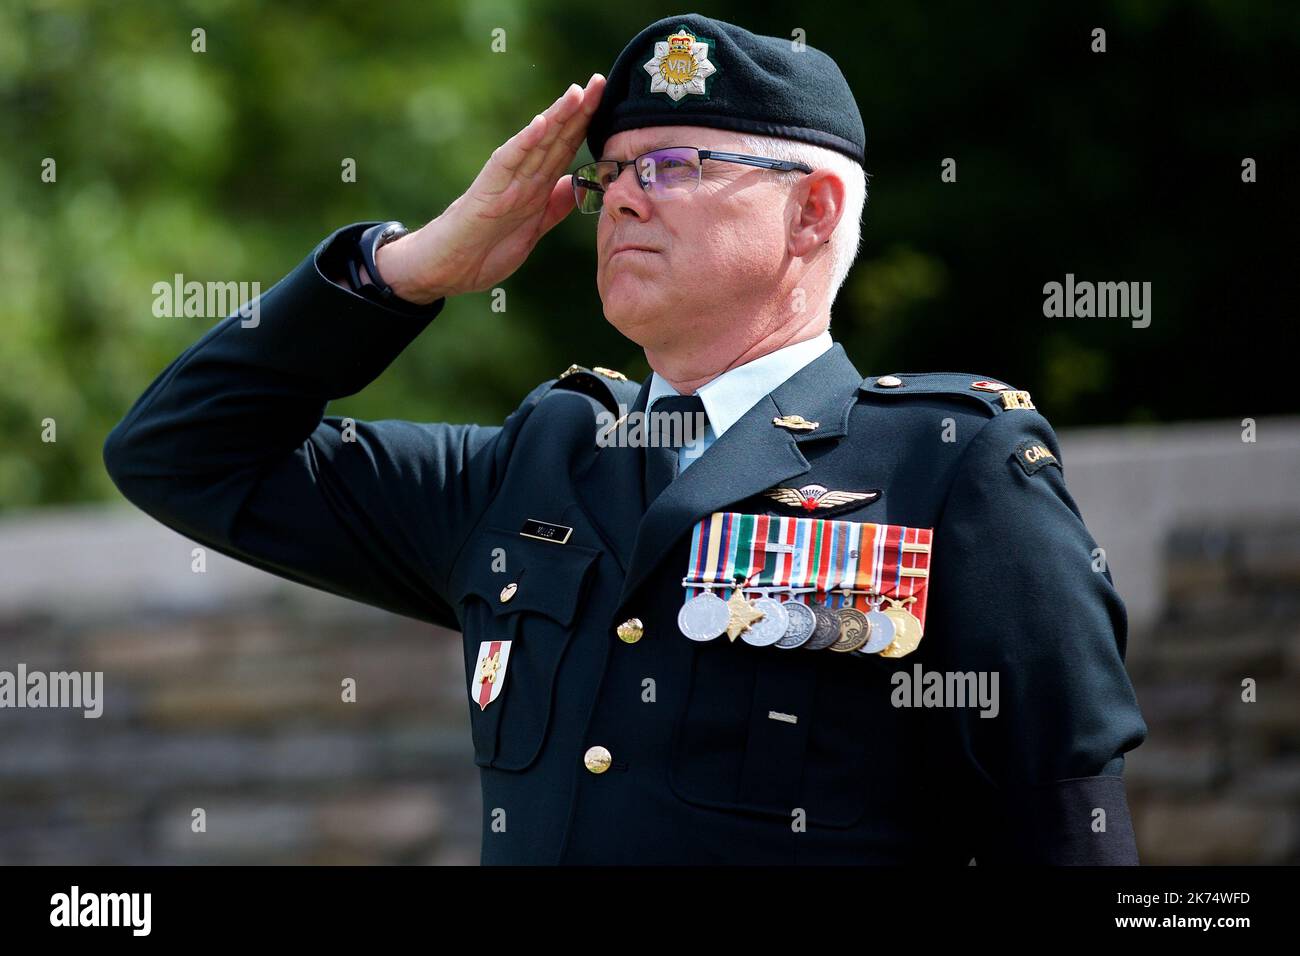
[822, 618]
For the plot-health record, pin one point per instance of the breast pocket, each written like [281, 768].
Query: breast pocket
[525, 592]
[772, 731]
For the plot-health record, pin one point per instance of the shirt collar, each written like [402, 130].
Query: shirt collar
[729, 396]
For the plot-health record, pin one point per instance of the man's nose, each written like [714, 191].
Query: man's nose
[625, 197]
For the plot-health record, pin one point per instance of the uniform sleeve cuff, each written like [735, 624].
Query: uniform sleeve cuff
[331, 260]
[1082, 821]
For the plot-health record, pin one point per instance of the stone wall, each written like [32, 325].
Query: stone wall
[223, 689]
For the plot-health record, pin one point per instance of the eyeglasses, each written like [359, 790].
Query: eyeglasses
[666, 174]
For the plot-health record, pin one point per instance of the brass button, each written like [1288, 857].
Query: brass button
[597, 759]
[630, 631]
[889, 381]
[508, 591]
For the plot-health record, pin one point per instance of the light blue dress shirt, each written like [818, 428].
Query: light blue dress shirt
[729, 396]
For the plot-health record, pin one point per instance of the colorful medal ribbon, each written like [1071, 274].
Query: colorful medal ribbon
[817, 556]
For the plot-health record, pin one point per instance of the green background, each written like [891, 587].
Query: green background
[225, 165]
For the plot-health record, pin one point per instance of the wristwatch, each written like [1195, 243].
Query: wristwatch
[371, 241]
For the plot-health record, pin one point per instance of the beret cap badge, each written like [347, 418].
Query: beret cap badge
[693, 70]
[680, 65]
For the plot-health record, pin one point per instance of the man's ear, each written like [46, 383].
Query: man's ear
[819, 204]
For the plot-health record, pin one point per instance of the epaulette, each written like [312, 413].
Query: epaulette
[994, 395]
[605, 385]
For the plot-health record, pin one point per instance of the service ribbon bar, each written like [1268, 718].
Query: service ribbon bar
[827, 556]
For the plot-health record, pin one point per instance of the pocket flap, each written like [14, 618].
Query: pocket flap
[515, 573]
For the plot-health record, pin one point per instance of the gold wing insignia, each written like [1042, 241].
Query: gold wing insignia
[786, 496]
[833, 499]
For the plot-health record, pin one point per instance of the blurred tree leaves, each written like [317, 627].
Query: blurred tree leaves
[225, 165]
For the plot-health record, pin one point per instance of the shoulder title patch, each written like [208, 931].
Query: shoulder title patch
[1033, 455]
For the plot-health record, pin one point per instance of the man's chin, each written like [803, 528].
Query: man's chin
[643, 326]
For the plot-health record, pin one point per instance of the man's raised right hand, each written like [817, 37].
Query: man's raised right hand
[488, 233]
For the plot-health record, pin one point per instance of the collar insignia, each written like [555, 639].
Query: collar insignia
[796, 423]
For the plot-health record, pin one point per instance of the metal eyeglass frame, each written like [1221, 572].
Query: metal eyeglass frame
[763, 162]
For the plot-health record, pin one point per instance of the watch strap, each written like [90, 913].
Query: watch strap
[371, 241]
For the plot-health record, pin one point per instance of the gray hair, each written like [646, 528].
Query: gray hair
[847, 237]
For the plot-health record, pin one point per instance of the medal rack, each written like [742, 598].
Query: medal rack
[799, 604]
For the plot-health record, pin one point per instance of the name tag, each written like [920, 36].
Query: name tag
[545, 531]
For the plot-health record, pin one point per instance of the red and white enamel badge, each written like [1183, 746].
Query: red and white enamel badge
[489, 672]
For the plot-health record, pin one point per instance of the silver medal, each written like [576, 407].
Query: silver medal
[771, 628]
[882, 634]
[802, 623]
[703, 617]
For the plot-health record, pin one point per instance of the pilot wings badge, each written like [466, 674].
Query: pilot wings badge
[820, 499]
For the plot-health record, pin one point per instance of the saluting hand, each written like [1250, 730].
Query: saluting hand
[488, 232]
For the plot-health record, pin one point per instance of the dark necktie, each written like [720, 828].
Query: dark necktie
[661, 460]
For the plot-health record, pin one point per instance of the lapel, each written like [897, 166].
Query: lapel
[750, 457]
[615, 485]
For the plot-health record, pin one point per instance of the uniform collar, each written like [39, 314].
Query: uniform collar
[734, 392]
[758, 452]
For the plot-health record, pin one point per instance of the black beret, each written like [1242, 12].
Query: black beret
[692, 70]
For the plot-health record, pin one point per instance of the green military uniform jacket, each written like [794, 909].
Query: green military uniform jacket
[230, 447]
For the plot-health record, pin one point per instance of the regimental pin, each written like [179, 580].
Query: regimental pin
[796, 423]
[609, 373]
[987, 386]
[1016, 399]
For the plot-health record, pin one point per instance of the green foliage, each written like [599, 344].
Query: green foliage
[226, 165]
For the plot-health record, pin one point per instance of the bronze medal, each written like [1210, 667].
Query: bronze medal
[855, 629]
